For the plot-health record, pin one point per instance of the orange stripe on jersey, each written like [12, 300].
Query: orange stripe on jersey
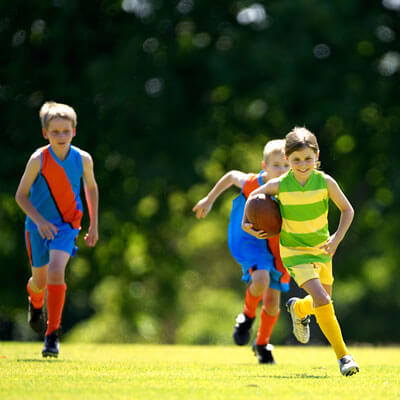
[28, 246]
[61, 190]
[250, 184]
[273, 244]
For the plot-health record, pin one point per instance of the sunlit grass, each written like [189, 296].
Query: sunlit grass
[193, 372]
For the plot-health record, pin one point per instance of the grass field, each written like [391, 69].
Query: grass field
[193, 372]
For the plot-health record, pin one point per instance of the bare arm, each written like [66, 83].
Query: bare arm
[203, 207]
[92, 198]
[46, 229]
[271, 188]
[346, 216]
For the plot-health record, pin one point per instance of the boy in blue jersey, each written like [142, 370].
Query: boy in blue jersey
[49, 194]
[260, 259]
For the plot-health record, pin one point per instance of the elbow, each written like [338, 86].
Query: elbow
[18, 198]
[350, 213]
[229, 177]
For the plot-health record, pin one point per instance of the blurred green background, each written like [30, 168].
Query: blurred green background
[169, 96]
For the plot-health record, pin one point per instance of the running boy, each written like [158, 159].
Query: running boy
[49, 194]
[260, 260]
[305, 244]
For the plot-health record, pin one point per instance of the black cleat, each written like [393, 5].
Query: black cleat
[51, 344]
[242, 331]
[36, 318]
[263, 353]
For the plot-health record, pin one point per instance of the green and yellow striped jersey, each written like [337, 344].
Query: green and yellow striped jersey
[304, 212]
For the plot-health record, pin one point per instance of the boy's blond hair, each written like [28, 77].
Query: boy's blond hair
[51, 110]
[276, 146]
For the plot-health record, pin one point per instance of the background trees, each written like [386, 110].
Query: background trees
[170, 95]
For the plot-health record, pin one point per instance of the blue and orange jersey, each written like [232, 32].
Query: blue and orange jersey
[55, 192]
[242, 243]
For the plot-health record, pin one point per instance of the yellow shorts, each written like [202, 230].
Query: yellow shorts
[304, 272]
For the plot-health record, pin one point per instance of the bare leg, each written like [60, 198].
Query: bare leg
[318, 292]
[271, 301]
[260, 282]
[57, 265]
[37, 283]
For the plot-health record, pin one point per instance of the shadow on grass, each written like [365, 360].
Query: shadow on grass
[40, 360]
[292, 376]
[300, 376]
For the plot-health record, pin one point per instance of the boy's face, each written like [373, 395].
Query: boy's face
[59, 133]
[276, 165]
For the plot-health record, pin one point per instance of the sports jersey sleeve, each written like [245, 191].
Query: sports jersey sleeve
[250, 184]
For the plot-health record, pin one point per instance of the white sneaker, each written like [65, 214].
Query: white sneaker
[301, 328]
[348, 366]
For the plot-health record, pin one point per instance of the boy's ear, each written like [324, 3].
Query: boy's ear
[74, 131]
[44, 133]
[263, 164]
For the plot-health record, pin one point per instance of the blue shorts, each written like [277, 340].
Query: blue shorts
[263, 264]
[39, 249]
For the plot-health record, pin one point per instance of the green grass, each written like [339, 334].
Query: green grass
[193, 372]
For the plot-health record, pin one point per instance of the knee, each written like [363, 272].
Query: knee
[322, 300]
[260, 282]
[38, 284]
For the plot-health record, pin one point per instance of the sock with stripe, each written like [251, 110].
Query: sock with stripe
[304, 307]
[329, 325]
[37, 299]
[267, 323]
[55, 305]
[251, 303]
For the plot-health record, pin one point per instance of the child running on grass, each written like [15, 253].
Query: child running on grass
[305, 244]
[49, 194]
[260, 260]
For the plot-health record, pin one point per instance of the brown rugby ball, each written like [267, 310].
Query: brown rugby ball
[264, 214]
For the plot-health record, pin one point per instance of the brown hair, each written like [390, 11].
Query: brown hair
[51, 110]
[300, 138]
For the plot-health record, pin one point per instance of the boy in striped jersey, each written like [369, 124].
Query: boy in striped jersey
[49, 194]
[260, 260]
[305, 243]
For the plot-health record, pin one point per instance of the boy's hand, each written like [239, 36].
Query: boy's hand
[330, 246]
[46, 229]
[91, 237]
[248, 227]
[203, 207]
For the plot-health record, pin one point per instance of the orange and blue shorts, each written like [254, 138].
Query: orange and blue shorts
[39, 249]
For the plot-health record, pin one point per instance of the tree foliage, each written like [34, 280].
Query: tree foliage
[169, 96]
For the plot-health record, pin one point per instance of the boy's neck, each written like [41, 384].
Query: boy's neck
[61, 155]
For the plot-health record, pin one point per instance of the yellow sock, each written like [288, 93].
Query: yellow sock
[304, 307]
[329, 325]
